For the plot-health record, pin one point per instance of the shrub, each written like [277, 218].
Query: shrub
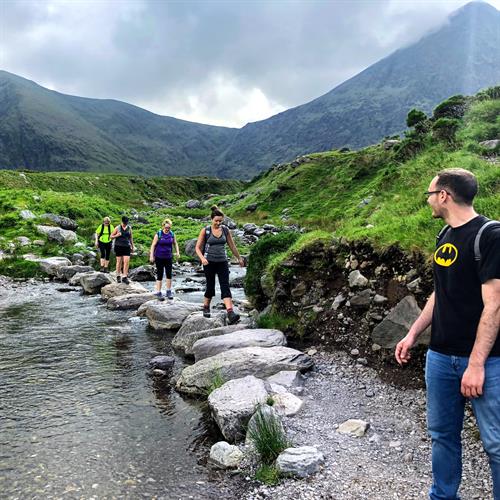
[445, 129]
[454, 107]
[267, 474]
[20, 268]
[268, 436]
[414, 117]
[260, 255]
[489, 93]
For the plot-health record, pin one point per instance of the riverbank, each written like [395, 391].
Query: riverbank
[391, 461]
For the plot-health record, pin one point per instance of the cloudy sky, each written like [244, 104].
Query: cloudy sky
[219, 62]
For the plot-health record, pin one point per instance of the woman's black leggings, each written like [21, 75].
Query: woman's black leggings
[221, 269]
[163, 264]
[105, 249]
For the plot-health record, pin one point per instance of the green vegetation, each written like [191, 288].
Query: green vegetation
[268, 436]
[216, 381]
[273, 319]
[267, 474]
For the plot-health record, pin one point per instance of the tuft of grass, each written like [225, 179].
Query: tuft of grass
[270, 401]
[268, 437]
[20, 268]
[267, 474]
[216, 381]
[275, 320]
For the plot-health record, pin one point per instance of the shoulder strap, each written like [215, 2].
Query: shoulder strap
[208, 230]
[158, 233]
[102, 230]
[441, 233]
[225, 230]
[477, 240]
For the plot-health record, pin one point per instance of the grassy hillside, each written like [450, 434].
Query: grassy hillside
[87, 198]
[377, 193]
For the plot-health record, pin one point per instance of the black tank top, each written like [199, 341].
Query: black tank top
[124, 239]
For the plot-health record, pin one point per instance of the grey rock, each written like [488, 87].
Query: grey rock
[130, 301]
[49, 265]
[27, 215]
[116, 289]
[57, 234]
[190, 247]
[23, 241]
[300, 462]
[185, 340]
[168, 315]
[491, 144]
[229, 222]
[252, 207]
[249, 228]
[286, 403]
[61, 221]
[354, 427]
[225, 455]
[397, 323]
[260, 337]
[162, 362]
[260, 362]
[338, 301]
[356, 279]
[75, 280]
[287, 378]
[67, 272]
[234, 403]
[193, 204]
[143, 273]
[362, 299]
[379, 299]
[93, 282]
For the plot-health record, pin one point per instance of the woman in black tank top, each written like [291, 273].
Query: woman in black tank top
[124, 246]
[215, 263]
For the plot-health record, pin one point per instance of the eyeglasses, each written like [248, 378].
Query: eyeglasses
[428, 193]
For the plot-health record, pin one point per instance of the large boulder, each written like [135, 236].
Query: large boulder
[397, 323]
[143, 273]
[117, 289]
[288, 379]
[196, 322]
[184, 341]
[193, 204]
[61, 221]
[260, 337]
[234, 403]
[300, 462]
[67, 272]
[93, 282]
[260, 362]
[75, 280]
[131, 301]
[168, 315]
[190, 247]
[57, 234]
[49, 265]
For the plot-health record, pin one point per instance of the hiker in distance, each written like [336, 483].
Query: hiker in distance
[124, 246]
[161, 254]
[463, 360]
[211, 250]
[102, 238]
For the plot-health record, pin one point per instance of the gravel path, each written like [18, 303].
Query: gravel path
[392, 461]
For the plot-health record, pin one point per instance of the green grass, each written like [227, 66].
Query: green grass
[216, 381]
[268, 437]
[267, 474]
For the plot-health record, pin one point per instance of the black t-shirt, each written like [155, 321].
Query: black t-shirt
[457, 285]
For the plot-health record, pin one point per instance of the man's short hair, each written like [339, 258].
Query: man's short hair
[461, 184]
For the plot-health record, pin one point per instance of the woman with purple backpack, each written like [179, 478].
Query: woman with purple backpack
[161, 254]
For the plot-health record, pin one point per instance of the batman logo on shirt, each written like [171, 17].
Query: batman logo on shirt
[446, 255]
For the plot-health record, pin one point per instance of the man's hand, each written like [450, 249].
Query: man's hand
[402, 352]
[472, 381]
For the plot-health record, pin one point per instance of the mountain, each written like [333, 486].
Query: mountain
[462, 57]
[44, 130]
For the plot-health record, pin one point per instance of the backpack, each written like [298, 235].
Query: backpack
[208, 230]
[102, 231]
[477, 239]
[160, 232]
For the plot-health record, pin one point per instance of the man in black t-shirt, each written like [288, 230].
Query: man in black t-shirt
[463, 361]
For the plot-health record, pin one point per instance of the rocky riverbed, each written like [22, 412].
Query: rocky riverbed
[392, 460]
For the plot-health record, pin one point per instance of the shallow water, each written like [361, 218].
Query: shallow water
[80, 416]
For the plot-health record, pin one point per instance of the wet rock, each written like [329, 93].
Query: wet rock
[130, 301]
[57, 234]
[234, 403]
[225, 455]
[93, 282]
[168, 315]
[300, 462]
[397, 323]
[67, 272]
[162, 362]
[260, 337]
[356, 279]
[116, 289]
[260, 362]
[143, 273]
[184, 340]
[354, 427]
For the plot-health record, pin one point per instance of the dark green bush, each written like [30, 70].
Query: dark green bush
[445, 129]
[260, 255]
[454, 107]
[414, 117]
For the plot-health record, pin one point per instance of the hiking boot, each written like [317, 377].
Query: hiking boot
[232, 317]
[125, 280]
[106, 270]
[118, 279]
[102, 269]
[170, 295]
[159, 296]
[206, 311]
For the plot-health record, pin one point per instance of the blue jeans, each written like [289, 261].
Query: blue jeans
[445, 415]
